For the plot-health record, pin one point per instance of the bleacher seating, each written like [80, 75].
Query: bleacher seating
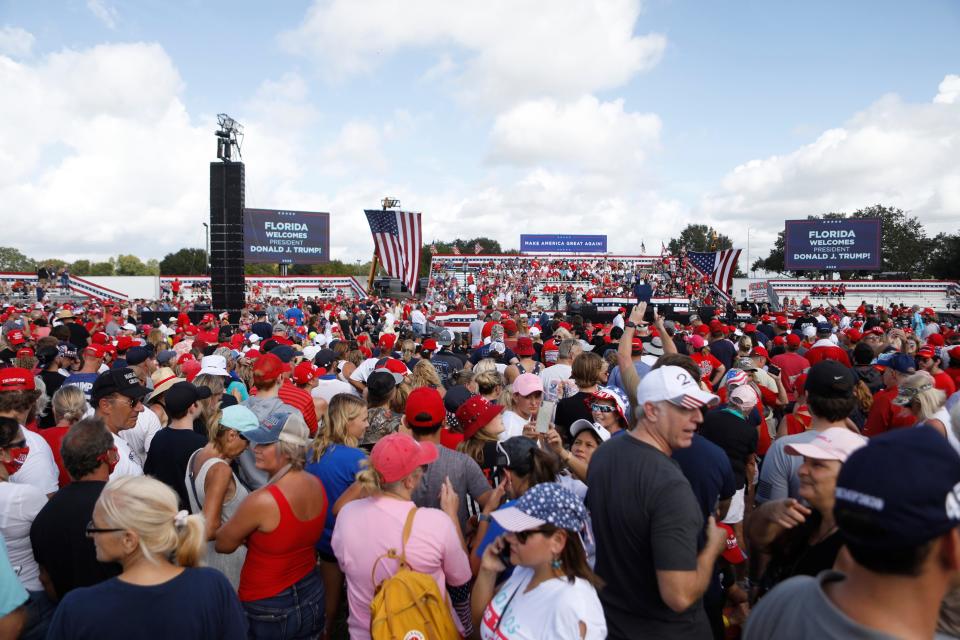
[556, 281]
[940, 295]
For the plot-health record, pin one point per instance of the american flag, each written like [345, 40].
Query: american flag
[433, 249]
[719, 265]
[456, 249]
[397, 236]
[477, 248]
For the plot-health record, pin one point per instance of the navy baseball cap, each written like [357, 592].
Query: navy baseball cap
[876, 508]
[900, 362]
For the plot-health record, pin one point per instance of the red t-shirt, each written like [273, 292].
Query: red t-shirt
[791, 364]
[884, 415]
[945, 383]
[816, 354]
[708, 364]
[300, 400]
[54, 436]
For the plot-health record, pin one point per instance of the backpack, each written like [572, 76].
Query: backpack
[408, 604]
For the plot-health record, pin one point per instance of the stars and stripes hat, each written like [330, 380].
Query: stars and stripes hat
[676, 386]
[544, 503]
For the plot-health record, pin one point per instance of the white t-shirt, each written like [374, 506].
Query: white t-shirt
[364, 369]
[129, 464]
[19, 505]
[40, 469]
[140, 436]
[557, 384]
[513, 424]
[326, 389]
[554, 609]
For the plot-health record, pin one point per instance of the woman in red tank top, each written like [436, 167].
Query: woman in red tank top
[280, 588]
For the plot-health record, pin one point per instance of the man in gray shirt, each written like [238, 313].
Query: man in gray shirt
[425, 416]
[898, 510]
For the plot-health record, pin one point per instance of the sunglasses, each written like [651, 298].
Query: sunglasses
[92, 530]
[133, 401]
[602, 408]
[523, 535]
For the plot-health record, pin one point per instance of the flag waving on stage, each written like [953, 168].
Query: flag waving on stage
[397, 236]
[719, 265]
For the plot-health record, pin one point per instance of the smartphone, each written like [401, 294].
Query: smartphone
[545, 416]
[773, 369]
[504, 555]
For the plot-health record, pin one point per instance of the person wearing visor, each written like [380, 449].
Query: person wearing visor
[587, 437]
[389, 519]
[280, 587]
[552, 592]
[927, 404]
[214, 490]
[802, 538]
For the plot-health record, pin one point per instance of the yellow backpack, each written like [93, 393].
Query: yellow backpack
[408, 604]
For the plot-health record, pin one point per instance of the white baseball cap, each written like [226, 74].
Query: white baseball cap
[583, 425]
[214, 366]
[676, 386]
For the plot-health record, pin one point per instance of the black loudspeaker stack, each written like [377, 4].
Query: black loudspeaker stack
[226, 235]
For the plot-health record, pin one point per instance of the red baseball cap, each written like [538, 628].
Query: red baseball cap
[854, 335]
[397, 455]
[760, 350]
[429, 345]
[99, 337]
[793, 340]
[393, 366]
[782, 322]
[424, 408]
[269, 367]
[475, 414]
[524, 346]
[25, 352]
[935, 339]
[304, 372]
[733, 553]
[922, 352]
[716, 326]
[94, 351]
[190, 369]
[387, 341]
[125, 342]
[15, 337]
[16, 379]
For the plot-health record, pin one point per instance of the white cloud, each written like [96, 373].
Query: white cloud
[893, 153]
[99, 155]
[513, 49]
[949, 90]
[15, 42]
[587, 134]
[103, 12]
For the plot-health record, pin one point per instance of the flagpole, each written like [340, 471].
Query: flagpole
[374, 263]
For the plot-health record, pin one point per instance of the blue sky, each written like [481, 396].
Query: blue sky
[572, 116]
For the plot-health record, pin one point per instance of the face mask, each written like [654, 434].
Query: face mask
[18, 455]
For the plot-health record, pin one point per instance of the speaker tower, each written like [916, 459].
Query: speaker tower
[226, 235]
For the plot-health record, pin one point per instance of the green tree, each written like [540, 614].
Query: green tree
[944, 257]
[13, 260]
[55, 263]
[130, 265]
[102, 269]
[264, 269]
[80, 268]
[467, 248]
[187, 261]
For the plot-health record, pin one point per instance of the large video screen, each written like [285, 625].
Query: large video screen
[279, 236]
[832, 245]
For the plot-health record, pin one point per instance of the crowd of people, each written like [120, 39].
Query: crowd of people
[558, 283]
[346, 468]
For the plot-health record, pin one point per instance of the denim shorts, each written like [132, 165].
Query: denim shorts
[296, 612]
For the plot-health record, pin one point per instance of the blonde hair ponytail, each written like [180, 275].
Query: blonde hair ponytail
[148, 507]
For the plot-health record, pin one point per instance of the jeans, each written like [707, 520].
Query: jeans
[418, 329]
[296, 612]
